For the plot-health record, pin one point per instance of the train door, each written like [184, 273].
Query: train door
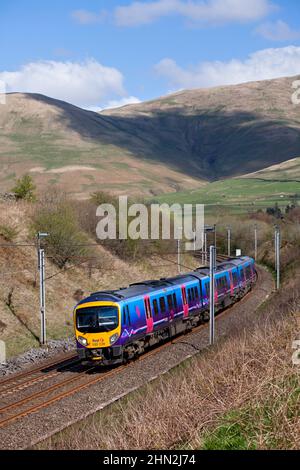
[184, 302]
[148, 312]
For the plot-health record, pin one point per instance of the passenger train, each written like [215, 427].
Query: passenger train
[114, 326]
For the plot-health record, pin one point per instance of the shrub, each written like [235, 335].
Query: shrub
[127, 249]
[56, 216]
[9, 232]
[25, 188]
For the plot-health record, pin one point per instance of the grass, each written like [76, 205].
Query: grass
[238, 195]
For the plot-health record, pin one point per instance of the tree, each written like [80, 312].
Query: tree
[25, 188]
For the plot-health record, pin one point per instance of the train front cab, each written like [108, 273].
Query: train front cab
[98, 329]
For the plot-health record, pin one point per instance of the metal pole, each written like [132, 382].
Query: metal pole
[202, 255]
[229, 241]
[277, 258]
[212, 264]
[178, 254]
[43, 338]
[205, 248]
[255, 242]
[215, 231]
[194, 232]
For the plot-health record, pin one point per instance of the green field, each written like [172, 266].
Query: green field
[238, 195]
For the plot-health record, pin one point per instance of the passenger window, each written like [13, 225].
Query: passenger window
[162, 304]
[128, 315]
[175, 301]
[170, 302]
[155, 306]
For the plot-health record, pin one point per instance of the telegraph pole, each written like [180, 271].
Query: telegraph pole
[212, 267]
[41, 267]
[205, 248]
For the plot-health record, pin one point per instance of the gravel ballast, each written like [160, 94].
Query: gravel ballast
[36, 355]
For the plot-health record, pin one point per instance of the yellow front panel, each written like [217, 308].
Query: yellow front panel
[98, 340]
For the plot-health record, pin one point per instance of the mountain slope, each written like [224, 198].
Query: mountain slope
[59, 143]
[219, 132]
[170, 144]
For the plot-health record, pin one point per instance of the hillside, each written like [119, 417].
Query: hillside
[170, 144]
[60, 144]
[285, 171]
[219, 132]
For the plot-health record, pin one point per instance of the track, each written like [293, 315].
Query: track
[36, 374]
[83, 378]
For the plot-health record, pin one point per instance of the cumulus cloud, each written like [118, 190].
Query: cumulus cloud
[115, 103]
[261, 65]
[85, 84]
[88, 17]
[209, 11]
[277, 31]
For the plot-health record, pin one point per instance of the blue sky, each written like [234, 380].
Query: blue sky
[99, 53]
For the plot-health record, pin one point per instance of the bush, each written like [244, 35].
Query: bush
[25, 188]
[56, 216]
[8, 232]
[127, 249]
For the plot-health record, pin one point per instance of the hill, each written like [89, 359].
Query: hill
[170, 144]
[218, 132]
[60, 144]
[275, 184]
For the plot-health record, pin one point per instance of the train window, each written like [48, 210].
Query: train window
[128, 315]
[155, 306]
[175, 301]
[207, 288]
[162, 304]
[170, 302]
[189, 295]
[193, 293]
[196, 293]
[235, 279]
[248, 272]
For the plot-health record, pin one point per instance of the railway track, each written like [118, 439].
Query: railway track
[35, 374]
[82, 379]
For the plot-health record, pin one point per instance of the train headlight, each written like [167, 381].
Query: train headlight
[82, 340]
[113, 338]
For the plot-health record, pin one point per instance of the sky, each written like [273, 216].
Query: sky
[106, 53]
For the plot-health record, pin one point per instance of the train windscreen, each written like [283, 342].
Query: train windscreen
[97, 319]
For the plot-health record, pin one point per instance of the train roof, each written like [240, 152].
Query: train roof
[147, 287]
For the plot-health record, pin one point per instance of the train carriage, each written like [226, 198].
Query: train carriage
[117, 325]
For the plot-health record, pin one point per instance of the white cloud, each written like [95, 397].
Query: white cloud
[85, 84]
[261, 65]
[209, 11]
[88, 17]
[278, 31]
[115, 103]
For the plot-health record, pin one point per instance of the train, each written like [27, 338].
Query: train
[115, 326]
